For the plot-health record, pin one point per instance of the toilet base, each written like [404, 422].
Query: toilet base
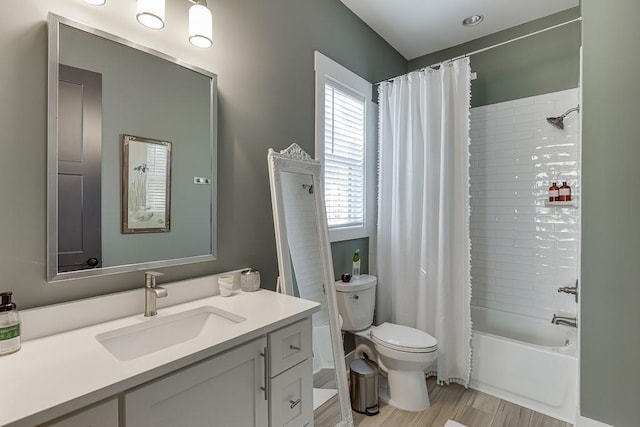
[404, 390]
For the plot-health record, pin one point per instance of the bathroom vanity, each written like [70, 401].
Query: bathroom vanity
[241, 360]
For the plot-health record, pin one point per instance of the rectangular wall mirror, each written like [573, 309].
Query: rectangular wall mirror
[101, 218]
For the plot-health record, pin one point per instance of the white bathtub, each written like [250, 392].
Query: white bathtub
[322, 350]
[525, 360]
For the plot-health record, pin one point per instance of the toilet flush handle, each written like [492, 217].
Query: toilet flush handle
[354, 296]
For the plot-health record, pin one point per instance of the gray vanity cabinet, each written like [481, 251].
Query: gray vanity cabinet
[266, 382]
[291, 376]
[225, 390]
[101, 415]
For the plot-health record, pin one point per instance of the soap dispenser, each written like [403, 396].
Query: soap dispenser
[9, 325]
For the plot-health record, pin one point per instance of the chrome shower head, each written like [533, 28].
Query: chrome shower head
[558, 122]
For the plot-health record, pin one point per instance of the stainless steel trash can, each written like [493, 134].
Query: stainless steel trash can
[364, 386]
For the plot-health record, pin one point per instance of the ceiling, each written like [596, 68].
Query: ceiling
[417, 27]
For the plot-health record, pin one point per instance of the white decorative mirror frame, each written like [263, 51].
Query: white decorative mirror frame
[291, 161]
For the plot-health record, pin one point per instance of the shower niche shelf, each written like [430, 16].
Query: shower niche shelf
[571, 204]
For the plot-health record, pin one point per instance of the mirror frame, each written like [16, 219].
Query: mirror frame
[53, 275]
[295, 160]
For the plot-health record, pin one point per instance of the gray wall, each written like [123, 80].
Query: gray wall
[263, 55]
[342, 253]
[610, 343]
[547, 62]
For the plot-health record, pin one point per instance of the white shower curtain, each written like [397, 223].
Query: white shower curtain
[423, 245]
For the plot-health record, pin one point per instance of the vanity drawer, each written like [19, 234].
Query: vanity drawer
[291, 396]
[289, 346]
[102, 415]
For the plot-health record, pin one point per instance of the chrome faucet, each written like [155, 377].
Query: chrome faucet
[152, 293]
[567, 321]
[572, 290]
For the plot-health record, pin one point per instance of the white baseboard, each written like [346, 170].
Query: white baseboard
[588, 422]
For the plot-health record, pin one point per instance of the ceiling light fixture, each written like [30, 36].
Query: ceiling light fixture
[200, 24]
[150, 13]
[472, 20]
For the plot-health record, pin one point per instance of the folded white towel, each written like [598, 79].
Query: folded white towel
[451, 423]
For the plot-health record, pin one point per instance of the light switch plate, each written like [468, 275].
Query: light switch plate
[201, 180]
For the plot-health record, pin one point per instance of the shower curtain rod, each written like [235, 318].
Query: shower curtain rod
[484, 49]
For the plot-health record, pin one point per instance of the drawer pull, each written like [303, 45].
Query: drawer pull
[294, 347]
[294, 403]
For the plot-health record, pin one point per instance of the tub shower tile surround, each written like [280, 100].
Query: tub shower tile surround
[523, 251]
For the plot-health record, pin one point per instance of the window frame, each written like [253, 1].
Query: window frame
[329, 70]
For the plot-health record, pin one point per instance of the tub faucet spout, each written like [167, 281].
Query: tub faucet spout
[567, 321]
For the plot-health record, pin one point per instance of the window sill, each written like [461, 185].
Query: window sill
[348, 233]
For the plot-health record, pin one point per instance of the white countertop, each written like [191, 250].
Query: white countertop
[57, 374]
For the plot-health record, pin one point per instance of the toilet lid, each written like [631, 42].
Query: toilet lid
[404, 338]
[356, 284]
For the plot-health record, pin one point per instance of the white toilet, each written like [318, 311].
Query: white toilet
[402, 353]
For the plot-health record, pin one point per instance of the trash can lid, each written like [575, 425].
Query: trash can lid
[364, 367]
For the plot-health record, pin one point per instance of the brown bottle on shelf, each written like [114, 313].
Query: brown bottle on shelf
[565, 192]
[553, 192]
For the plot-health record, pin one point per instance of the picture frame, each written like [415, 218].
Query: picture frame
[146, 185]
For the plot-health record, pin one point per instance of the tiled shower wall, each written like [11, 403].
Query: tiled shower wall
[522, 250]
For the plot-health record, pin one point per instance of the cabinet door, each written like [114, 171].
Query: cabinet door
[222, 391]
[102, 415]
[291, 398]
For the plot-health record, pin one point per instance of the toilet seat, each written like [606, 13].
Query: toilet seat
[403, 338]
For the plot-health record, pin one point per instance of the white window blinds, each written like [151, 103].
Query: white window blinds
[345, 146]
[156, 178]
[344, 151]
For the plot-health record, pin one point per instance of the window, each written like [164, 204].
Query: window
[156, 178]
[345, 125]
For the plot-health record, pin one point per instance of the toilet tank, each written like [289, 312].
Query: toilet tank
[356, 302]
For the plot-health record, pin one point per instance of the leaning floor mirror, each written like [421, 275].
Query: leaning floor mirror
[306, 266]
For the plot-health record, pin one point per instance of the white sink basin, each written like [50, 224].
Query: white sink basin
[162, 332]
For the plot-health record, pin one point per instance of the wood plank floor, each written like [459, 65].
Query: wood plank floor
[324, 378]
[469, 407]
